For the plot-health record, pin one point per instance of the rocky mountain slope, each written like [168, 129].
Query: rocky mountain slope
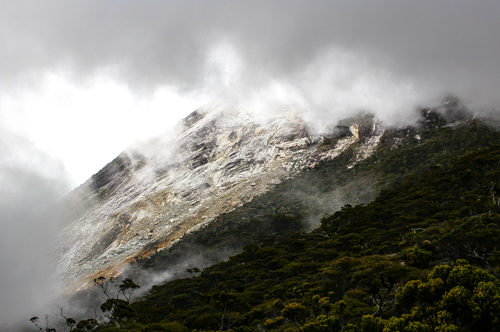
[422, 256]
[150, 197]
[429, 216]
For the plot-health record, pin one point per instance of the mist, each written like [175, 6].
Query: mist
[30, 185]
[124, 70]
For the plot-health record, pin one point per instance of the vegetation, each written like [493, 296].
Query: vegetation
[300, 203]
[422, 256]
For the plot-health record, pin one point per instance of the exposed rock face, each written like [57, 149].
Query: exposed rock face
[148, 198]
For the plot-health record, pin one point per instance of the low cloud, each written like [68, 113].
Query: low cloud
[446, 45]
[329, 58]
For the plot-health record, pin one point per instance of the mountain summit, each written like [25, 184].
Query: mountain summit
[152, 195]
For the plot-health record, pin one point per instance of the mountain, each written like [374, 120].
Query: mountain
[152, 196]
[405, 239]
[422, 256]
[263, 225]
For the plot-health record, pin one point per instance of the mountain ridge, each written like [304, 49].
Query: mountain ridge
[219, 162]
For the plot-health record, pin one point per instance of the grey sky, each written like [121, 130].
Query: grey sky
[449, 45]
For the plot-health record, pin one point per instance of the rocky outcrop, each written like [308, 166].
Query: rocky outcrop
[149, 197]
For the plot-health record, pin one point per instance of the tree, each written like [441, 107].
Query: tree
[453, 296]
[127, 288]
[36, 321]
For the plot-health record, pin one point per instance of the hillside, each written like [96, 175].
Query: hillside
[154, 194]
[402, 262]
[299, 203]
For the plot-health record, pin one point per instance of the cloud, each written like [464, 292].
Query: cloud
[87, 125]
[449, 45]
[328, 58]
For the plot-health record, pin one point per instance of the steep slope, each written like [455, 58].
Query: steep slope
[300, 202]
[354, 273]
[147, 199]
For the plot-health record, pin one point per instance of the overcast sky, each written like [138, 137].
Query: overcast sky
[80, 80]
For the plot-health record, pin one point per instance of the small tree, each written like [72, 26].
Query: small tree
[295, 312]
[36, 321]
[127, 288]
[116, 307]
[70, 322]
